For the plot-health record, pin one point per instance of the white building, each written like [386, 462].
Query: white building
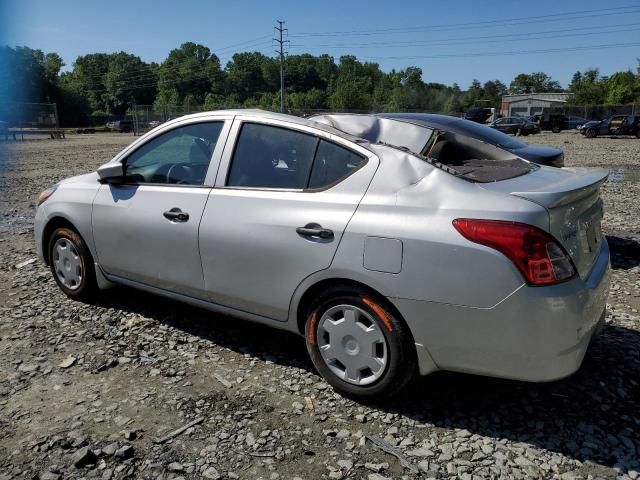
[527, 104]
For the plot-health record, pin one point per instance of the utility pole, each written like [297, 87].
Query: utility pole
[280, 29]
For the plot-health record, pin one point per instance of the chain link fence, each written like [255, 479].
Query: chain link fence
[20, 119]
[595, 112]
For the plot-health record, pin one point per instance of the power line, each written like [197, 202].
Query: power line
[513, 52]
[470, 41]
[575, 15]
[520, 36]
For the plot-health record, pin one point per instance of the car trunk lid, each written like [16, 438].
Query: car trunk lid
[572, 199]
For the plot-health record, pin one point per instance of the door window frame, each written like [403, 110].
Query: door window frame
[214, 161]
[224, 167]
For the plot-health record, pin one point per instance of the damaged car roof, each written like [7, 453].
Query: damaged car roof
[380, 129]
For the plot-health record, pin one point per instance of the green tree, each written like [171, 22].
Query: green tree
[587, 88]
[453, 104]
[493, 91]
[352, 88]
[249, 74]
[537, 82]
[191, 70]
[622, 88]
[313, 99]
[128, 80]
[88, 74]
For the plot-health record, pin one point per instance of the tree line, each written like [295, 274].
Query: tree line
[102, 84]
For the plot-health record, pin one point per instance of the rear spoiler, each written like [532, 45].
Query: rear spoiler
[568, 190]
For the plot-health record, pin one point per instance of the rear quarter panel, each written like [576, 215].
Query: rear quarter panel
[438, 264]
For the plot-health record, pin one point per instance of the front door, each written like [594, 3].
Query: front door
[146, 230]
[278, 212]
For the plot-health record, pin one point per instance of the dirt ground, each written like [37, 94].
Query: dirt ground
[86, 390]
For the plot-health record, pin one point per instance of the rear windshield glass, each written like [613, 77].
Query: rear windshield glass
[487, 134]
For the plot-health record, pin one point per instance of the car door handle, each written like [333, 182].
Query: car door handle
[314, 230]
[176, 215]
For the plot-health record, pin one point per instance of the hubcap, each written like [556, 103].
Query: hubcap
[352, 344]
[67, 263]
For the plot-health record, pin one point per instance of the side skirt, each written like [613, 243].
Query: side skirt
[196, 302]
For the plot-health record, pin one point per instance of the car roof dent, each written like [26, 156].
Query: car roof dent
[375, 129]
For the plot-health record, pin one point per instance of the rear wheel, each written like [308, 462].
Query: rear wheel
[358, 344]
[555, 129]
[590, 133]
[71, 264]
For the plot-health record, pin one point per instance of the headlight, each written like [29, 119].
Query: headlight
[46, 194]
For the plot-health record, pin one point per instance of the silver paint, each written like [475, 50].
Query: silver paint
[467, 306]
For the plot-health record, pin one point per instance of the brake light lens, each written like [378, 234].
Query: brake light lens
[538, 256]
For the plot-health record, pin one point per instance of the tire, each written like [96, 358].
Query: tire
[590, 133]
[71, 264]
[638, 133]
[392, 348]
[555, 129]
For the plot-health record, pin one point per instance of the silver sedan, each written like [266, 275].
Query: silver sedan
[394, 248]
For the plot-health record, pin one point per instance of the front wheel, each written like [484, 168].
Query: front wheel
[359, 345]
[71, 264]
[590, 133]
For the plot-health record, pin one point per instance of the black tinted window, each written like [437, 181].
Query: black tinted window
[180, 156]
[271, 157]
[332, 163]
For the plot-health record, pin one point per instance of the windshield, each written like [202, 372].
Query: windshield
[487, 134]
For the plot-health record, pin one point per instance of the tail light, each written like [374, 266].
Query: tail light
[538, 256]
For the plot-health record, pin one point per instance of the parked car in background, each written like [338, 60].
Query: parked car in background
[575, 122]
[356, 232]
[540, 154]
[614, 125]
[479, 114]
[154, 123]
[515, 125]
[122, 126]
[86, 130]
[550, 121]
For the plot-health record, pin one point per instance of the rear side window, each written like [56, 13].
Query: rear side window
[332, 163]
[271, 157]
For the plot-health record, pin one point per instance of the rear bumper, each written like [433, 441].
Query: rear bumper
[536, 334]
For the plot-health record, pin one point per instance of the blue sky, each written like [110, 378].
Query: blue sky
[451, 41]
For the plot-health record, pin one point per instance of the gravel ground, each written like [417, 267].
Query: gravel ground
[89, 391]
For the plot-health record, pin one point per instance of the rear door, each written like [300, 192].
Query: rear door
[283, 197]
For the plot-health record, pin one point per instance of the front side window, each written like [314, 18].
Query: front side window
[271, 157]
[180, 156]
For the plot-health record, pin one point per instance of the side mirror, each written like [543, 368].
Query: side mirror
[112, 172]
